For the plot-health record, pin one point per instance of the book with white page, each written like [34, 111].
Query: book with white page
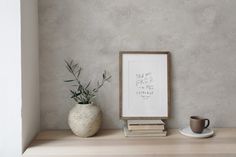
[146, 127]
[128, 133]
[158, 122]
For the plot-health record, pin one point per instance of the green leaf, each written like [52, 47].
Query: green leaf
[108, 78]
[71, 63]
[78, 72]
[69, 80]
[67, 63]
[77, 94]
[72, 92]
[74, 66]
[88, 84]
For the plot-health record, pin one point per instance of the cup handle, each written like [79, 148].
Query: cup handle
[208, 123]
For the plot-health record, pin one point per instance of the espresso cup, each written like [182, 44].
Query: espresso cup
[198, 124]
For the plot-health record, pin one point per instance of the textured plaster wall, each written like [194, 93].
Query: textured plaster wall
[30, 71]
[200, 35]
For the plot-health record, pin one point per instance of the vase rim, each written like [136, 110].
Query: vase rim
[85, 104]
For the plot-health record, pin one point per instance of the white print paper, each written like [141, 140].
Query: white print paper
[145, 85]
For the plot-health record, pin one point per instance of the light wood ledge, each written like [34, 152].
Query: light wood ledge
[112, 143]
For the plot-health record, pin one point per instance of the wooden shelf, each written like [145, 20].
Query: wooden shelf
[112, 143]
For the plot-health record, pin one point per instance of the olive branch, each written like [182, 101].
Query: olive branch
[81, 93]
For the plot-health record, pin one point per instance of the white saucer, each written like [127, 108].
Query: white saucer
[188, 132]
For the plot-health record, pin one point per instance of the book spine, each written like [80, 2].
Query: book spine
[146, 127]
[157, 122]
[146, 135]
[147, 131]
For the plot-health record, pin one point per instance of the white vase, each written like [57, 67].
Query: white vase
[85, 119]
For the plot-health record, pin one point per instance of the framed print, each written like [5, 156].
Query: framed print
[144, 85]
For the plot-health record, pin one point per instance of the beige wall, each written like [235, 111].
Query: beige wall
[200, 35]
[30, 71]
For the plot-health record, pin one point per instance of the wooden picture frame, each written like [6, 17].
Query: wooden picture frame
[143, 93]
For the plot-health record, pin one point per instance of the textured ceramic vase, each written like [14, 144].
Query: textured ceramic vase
[85, 119]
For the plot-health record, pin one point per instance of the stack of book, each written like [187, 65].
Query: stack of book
[146, 128]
